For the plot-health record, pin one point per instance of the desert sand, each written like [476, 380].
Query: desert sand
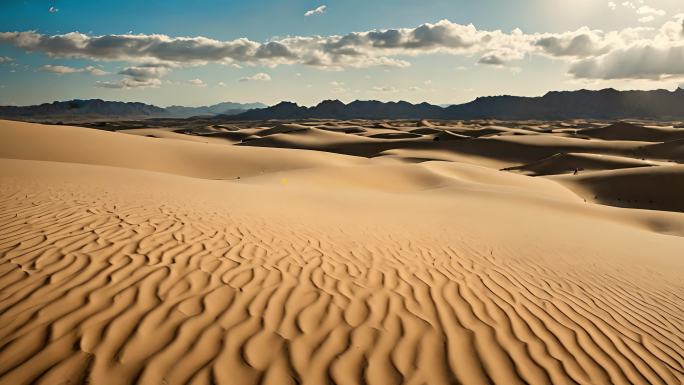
[355, 252]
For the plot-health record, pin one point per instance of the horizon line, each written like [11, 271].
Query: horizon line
[679, 87]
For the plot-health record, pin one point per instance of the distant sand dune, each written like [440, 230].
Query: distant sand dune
[672, 150]
[181, 157]
[569, 163]
[121, 264]
[656, 188]
[627, 131]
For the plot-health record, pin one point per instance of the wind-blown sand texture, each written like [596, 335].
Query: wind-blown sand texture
[237, 255]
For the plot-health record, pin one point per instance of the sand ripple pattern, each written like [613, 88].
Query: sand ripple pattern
[94, 291]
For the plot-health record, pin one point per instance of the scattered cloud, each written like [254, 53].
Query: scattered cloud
[61, 70]
[96, 71]
[339, 87]
[196, 82]
[357, 49]
[645, 13]
[53, 10]
[144, 75]
[384, 89]
[660, 57]
[426, 85]
[649, 13]
[636, 62]
[588, 52]
[492, 59]
[108, 84]
[353, 50]
[646, 10]
[5, 59]
[257, 77]
[580, 43]
[145, 71]
[129, 83]
[316, 11]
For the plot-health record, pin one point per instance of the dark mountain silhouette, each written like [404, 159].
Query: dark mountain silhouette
[96, 108]
[335, 109]
[607, 104]
[226, 108]
[93, 107]
[603, 104]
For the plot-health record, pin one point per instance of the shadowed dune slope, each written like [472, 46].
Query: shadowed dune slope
[504, 150]
[673, 150]
[628, 131]
[129, 266]
[526, 149]
[655, 188]
[568, 163]
[328, 141]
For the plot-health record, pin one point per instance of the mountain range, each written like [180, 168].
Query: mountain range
[226, 108]
[583, 104]
[101, 109]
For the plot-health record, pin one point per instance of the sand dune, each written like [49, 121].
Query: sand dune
[505, 150]
[202, 160]
[345, 129]
[628, 131]
[328, 141]
[165, 133]
[123, 260]
[283, 129]
[656, 188]
[672, 150]
[578, 162]
[514, 150]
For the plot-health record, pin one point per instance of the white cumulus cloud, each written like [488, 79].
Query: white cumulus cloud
[57, 69]
[658, 57]
[196, 82]
[257, 77]
[588, 53]
[384, 89]
[129, 83]
[316, 11]
[96, 71]
[646, 10]
[61, 70]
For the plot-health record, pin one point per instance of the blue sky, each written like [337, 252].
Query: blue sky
[524, 47]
